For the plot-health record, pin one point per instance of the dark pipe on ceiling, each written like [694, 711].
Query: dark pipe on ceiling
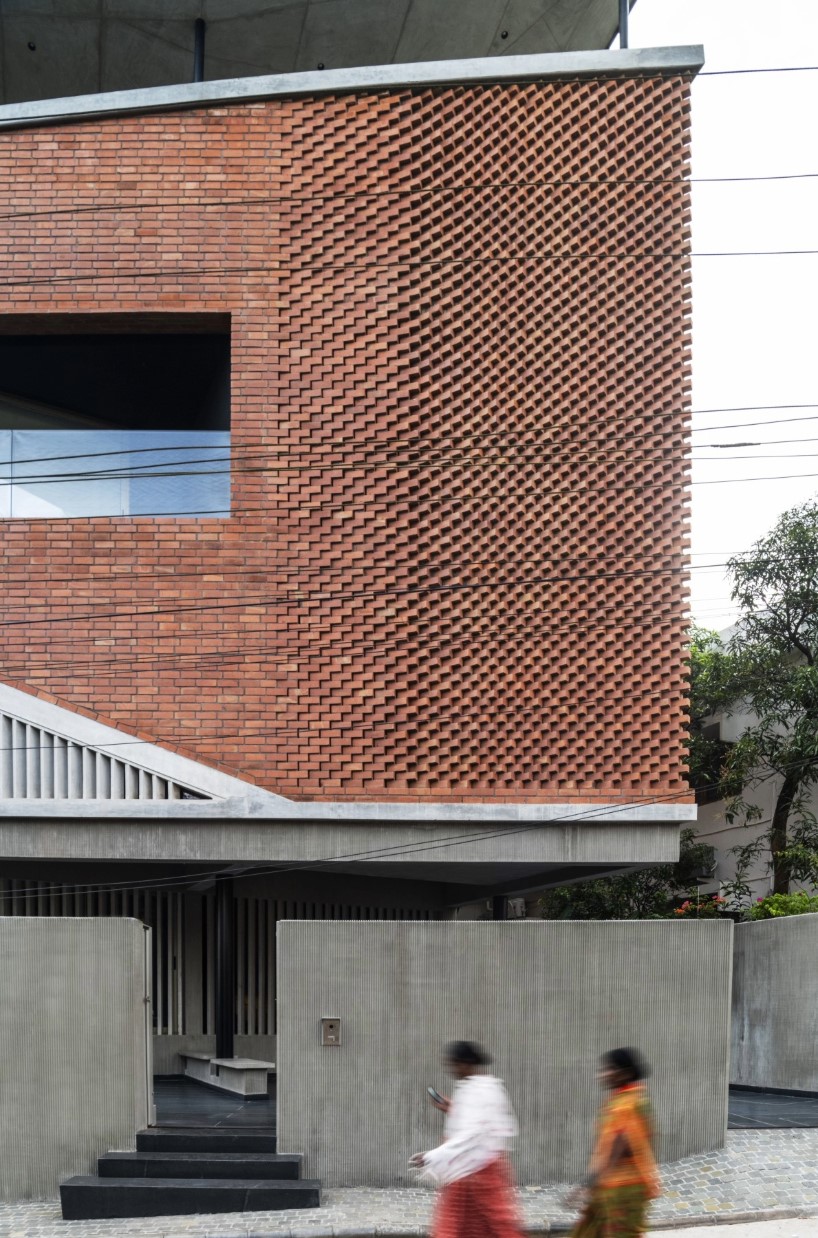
[624, 8]
[199, 27]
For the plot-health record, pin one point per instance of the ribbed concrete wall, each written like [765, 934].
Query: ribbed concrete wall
[74, 1061]
[546, 999]
[775, 1004]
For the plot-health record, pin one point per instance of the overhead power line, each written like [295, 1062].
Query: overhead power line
[506, 456]
[482, 717]
[409, 442]
[413, 638]
[116, 275]
[438, 567]
[397, 849]
[299, 597]
[231, 570]
[792, 68]
[415, 502]
[638, 483]
[374, 853]
[415, 642]
[399, 191]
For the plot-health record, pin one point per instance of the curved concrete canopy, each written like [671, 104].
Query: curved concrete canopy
[58, 48]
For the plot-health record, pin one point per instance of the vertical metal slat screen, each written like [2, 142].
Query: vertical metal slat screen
[162, 910]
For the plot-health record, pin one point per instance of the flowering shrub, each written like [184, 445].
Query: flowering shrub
[784, 905]
[698, 908]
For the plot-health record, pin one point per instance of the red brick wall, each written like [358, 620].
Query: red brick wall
[454, 568]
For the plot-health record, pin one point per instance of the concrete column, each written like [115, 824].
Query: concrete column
[192, 963]
[225, 969]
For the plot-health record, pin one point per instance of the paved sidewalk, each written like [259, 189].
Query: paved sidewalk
[757, 1172]
[798, 1227]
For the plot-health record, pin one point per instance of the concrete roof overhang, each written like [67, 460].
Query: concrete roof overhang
[58, 48]
[73, 789]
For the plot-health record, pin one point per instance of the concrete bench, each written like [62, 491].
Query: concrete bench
[244, 1076]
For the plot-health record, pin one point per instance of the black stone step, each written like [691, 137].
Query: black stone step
[286, 1167]
[205, 1139]
[87, 1199]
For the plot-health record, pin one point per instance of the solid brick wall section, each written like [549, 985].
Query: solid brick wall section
[459, 369]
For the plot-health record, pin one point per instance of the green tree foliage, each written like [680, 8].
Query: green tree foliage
[769, 671]
[642, 895]
[712, 691]
[775, 905]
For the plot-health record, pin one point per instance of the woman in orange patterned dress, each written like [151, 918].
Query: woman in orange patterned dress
[622, 1176]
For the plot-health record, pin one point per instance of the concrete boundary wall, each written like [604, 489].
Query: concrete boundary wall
[775, 1004]
[75, 1068]
[546, 998]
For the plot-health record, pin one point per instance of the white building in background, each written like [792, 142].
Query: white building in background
[725, 835]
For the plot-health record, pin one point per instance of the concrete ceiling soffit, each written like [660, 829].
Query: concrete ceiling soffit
[61, 48]
[50, 753]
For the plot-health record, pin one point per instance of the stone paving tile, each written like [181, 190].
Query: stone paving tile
[756, 1171]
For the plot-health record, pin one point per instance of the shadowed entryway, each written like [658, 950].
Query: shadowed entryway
[185, 1103]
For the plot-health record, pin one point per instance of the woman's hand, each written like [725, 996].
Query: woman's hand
[416, 1161]
[444, 1104]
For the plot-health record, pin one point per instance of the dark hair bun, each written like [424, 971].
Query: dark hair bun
[629, 1061]
[466, 1053]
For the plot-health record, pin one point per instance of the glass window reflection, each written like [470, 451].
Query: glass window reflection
[73, 473]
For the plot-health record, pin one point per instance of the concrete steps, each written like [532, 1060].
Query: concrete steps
[87, 1199]
[199, 1165]
[183, 1171]
[205, 1139]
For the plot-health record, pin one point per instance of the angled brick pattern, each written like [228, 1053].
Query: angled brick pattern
[460, 364]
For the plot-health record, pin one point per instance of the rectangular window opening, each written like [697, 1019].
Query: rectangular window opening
[114, 415]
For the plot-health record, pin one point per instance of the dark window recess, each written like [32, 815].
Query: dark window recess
[115, 422]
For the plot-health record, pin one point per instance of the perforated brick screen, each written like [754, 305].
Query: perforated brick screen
[454, 568]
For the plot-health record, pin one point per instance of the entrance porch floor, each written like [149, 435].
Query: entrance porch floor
[767, 1111]
[183, 1102]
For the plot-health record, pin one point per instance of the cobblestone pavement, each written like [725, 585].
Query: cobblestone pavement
[757, 1171]
[798, 1228]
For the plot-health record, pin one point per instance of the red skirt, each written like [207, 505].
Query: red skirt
[482, 1205]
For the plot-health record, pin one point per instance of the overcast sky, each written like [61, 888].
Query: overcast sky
[755, 321]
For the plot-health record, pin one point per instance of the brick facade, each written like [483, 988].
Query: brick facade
[455, 565]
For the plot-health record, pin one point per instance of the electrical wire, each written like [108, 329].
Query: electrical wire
[326, 596]
[403, 191]
[415, 643]
[438, 566]
[797, 68]
[412, 643]
[396, 850]
[396, 719]
[202, 272]
[411, 441]
[304, 458]
[416, 502]
[514, 457]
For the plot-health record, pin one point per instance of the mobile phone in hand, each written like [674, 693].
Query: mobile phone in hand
[435, 1095]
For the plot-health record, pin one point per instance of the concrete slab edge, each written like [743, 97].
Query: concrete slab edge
[478, 70]
[263, 807]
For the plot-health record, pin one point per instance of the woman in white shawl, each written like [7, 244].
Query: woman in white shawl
[477, 1197]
